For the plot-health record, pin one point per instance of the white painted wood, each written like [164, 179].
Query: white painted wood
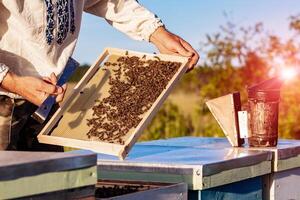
[281, 164]
[285, 164]
[285, 185]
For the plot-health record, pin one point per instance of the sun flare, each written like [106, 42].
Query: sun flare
[288, 73]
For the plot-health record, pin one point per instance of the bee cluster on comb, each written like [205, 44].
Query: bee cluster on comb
[135, 84]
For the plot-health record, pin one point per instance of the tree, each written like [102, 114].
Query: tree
[243, 57]
[237, 57]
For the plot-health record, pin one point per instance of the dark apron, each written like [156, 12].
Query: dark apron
[18, 131]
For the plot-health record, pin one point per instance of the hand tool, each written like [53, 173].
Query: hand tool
[42, 113]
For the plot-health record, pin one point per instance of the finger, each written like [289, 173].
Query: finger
[53, 78]
[49, 88]
[182, 51]
[187, 46]
[193, 61]
[61, 96]
[189, 69]
[195, 58]
[47, 79]
[164, 50]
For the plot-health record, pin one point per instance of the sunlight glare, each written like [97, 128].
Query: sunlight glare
[288, 73]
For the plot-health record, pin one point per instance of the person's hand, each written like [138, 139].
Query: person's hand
[33, 89]
[53, 80]
[169, 43]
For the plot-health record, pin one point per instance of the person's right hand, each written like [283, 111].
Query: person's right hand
[33, 89]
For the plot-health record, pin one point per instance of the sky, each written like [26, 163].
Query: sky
[190, 19]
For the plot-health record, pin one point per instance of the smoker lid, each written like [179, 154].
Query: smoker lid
[264, 95]
[270, 84]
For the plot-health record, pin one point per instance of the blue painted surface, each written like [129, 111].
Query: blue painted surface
[285, 148]
[250, 189]
[213, 156]
[211, 160]
[190, 141]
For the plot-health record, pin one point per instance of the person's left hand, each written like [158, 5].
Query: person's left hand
[169, 43]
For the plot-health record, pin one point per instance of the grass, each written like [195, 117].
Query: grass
[188, 103]
[191, 104]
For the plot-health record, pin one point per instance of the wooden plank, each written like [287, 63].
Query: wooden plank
[237, 174]
[195, 180]
[68, 126]
[14, 165]
[285, 164]
[82, 193]
[47, 182]
[285, 185]
[96, 146]
[138, 190]
[286, 155]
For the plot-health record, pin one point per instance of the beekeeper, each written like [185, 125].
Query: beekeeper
[36, 39]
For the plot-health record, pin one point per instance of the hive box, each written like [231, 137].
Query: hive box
[47, 175]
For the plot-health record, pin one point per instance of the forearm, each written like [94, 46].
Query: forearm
[158, 36]
[127, 16]
[7, 79]
[10, 82]
[33, 89]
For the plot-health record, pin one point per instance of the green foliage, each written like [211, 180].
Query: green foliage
[79, 73]
[169, 122]
[289, 115]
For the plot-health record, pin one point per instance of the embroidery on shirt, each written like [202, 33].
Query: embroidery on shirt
[65, 20]
[72, 23]
[50, 22]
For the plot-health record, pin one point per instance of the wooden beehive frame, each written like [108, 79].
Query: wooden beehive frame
[100, 146]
